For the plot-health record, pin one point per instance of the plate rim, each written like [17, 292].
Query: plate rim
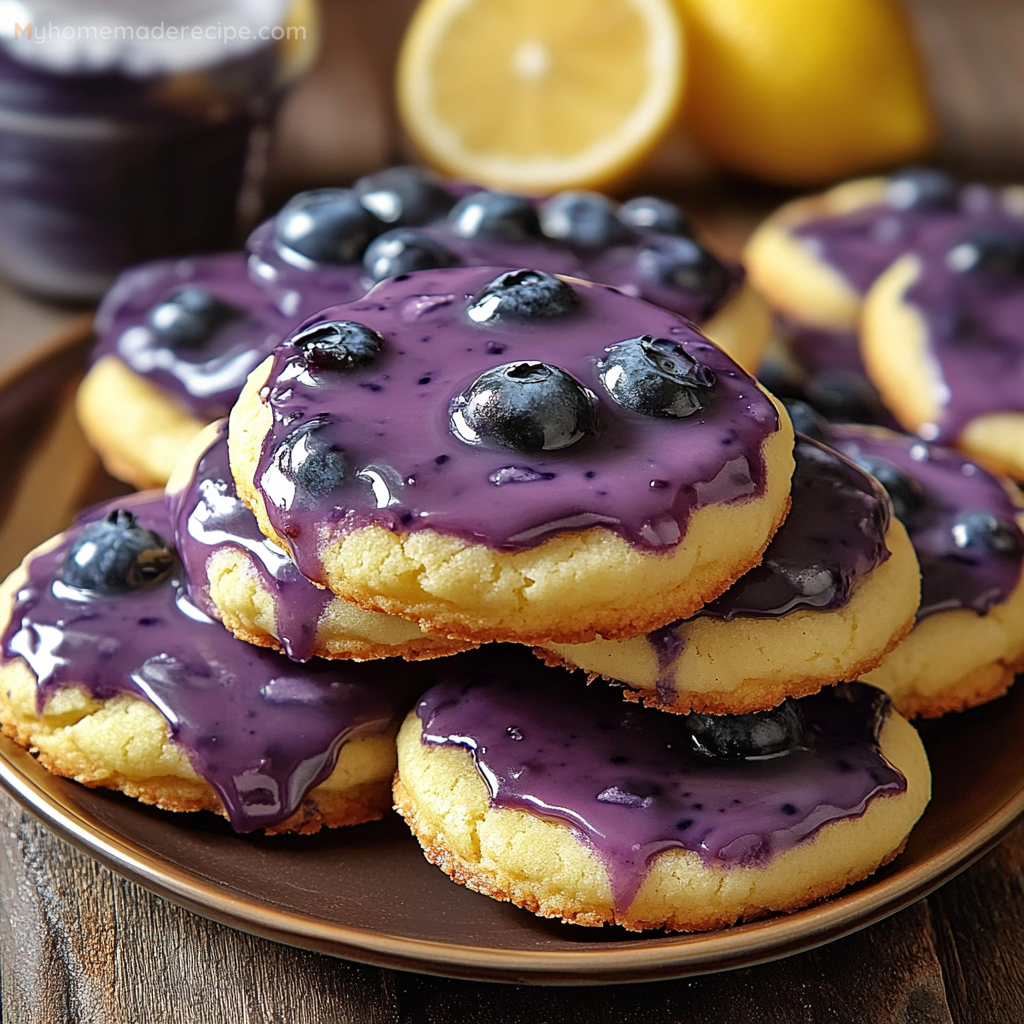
[658, 958]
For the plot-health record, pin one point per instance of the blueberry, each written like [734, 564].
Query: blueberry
[338, 345]
[922, 188]
[649, 213]
[495, 215]
[311, 461]
[760, 734]
[806, 421]
[993, 251]
[404, 195]
[656, 377]
[116, 555]
[985, 531]
[844, 396]
[684, 264]
[584, 219]
[522, 295]
[189, 317]
[403, 250]
[905, 493]
[326, 225]
[528, 407]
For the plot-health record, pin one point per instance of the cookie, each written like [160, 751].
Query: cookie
[529, 787]
[112, 677]
[837, 589]
[511, 456]
[177, 338]
[176, 341]
[968, 640]
[236, 575]
[943, 340]
[815, 258]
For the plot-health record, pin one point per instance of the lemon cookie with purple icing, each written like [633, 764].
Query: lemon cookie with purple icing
[837, 590]
[114, 678]
[238, 576]
[512, 456]
[964, 523]
[943, 340]
[525, 785]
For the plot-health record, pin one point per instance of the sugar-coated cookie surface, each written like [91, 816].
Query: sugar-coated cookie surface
[238, 576]
[510, 455]
[943, 340]
[968, 641]
[115, 679]
[566, 801]
[837, 589]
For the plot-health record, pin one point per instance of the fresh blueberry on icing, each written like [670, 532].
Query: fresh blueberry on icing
[649, 213]
[684, 264]
[403, 250]
[495, 215]
[404, 196]
[904, 492]
[805, 420]
[983, 530]
[656, 377]
[189, 317]
[922, 188]
[528, 407]
[326, 225]
[312, 462]
[584, 219]
[522, 295]
[116, 555]
[338, 345]
[760, 734]
[991, 251]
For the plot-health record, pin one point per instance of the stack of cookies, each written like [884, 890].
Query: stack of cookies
[423, 495]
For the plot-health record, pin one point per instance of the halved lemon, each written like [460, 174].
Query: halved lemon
[540, 95]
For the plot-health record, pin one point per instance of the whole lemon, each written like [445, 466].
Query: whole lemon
[803, 91]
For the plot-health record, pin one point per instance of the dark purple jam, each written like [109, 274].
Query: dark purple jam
[833, 537]
[260, 729]
[207, 374]
[957, 569]
[973, 308]
[863, 243]
[103, 169]
[386, 443]
[208, 516]
[629, 781]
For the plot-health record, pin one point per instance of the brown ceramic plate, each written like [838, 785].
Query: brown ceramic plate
[366, 893]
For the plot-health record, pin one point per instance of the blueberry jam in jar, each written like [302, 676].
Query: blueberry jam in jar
[133, 131]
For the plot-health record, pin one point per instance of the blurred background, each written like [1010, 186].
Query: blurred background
[337, 118]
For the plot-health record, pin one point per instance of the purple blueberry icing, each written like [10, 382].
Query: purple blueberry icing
[383, 430]
[833, 536]
[974, 320]
[864, 242]
[260, 729]
[208, 516]
[277, 288]
[628, 781]
[953, 575]
[206, 378]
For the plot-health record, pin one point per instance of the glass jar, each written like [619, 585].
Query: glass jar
[135, 129]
